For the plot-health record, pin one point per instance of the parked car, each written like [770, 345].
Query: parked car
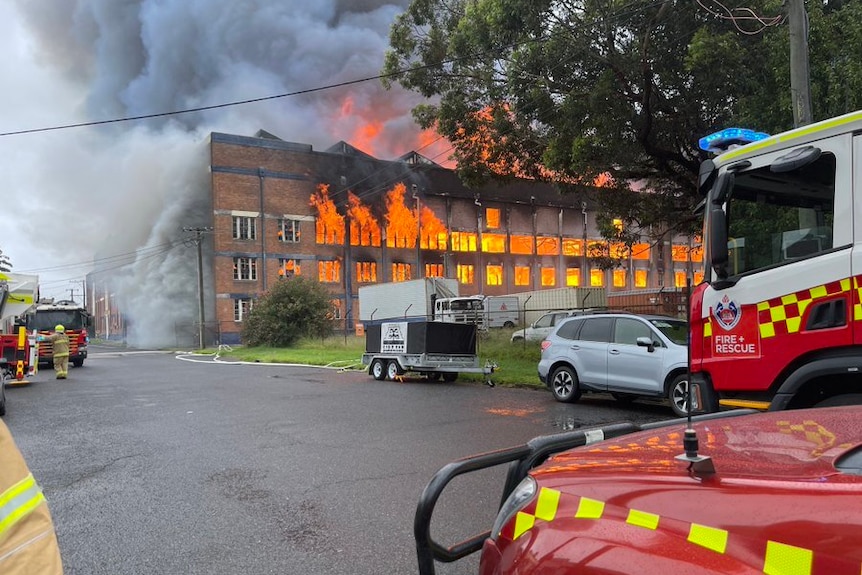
[539, 329]
[772, 492]
[625, 354]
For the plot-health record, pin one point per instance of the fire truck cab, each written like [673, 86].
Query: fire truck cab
[777, 324]
[47, 314]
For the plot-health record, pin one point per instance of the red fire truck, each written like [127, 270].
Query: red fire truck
[18, 292]
[47, 314]
[778, 322]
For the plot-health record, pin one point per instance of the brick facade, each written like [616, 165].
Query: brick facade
[250, 176]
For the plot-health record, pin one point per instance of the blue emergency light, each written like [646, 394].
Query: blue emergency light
[722, 140]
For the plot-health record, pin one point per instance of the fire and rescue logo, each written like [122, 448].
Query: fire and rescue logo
[727, 313]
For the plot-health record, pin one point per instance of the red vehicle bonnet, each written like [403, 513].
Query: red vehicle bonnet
[775, 504]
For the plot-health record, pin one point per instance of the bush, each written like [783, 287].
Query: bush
[293, 307]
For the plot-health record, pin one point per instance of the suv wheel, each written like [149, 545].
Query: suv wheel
[564, 385]
[678, 395]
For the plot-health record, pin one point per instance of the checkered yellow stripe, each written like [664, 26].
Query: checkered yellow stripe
[783, 315]
[778, 558]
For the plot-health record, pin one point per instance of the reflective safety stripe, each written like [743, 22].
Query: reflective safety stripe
[590, 509]
[546, 506]
[784, 559]
[642, 519]
[709, 537]
[18, 501]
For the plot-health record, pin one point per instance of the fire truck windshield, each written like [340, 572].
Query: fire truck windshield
[775, 217]
[44, 320]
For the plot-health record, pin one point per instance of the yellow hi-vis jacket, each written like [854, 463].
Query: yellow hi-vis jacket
[28, 544]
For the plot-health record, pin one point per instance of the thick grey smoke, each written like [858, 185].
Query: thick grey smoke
[131, 187]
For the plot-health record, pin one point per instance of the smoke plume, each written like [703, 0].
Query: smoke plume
[131, 187]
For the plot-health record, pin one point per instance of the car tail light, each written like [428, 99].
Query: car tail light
[545, 344]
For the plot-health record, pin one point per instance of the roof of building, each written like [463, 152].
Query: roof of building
[345, 167]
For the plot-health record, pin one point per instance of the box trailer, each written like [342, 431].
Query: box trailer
[433, 349]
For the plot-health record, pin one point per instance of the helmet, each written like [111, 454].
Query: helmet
[59, 328]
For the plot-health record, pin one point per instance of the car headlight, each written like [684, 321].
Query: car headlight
[517, 500]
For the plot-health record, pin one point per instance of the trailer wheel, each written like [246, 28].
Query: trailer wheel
[393, 370]
[450, 376]
[433, 375]
[377, 369]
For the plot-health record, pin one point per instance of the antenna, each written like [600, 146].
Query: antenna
[698, 464]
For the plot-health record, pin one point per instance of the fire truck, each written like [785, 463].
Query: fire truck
[778, 322]
[47, 314]
[17, 348]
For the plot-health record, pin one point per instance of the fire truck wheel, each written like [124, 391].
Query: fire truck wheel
[2, 394]
[845, 399]
[677, 393]
[393, 370]
[564, 385]
[77, 362]
[450, 376]
[377, 369]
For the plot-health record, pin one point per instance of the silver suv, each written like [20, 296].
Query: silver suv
[627, 355]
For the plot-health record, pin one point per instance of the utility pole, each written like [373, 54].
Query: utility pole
[198, 240]
[800, 83]
[419, 273]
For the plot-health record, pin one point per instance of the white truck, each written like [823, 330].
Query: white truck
[411, 300]
[484, 311]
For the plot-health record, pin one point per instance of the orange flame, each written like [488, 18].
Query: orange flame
[329, 225]
[434, 235]
[401, 222]
[364, 228]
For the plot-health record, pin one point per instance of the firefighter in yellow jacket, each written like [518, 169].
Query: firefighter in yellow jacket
[28, 543]
[60, 342]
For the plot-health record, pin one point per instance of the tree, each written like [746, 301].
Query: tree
[294, 307]
[568, 91]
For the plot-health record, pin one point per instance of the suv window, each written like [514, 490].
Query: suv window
[628, 330]
[569, 329]
[596, 329]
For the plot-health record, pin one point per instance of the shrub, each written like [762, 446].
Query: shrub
[293, 307]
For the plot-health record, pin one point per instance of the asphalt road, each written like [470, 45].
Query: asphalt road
[154, 464]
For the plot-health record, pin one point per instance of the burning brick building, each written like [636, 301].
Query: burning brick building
[349, 219]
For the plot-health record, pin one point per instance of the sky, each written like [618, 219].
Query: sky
[116, 196]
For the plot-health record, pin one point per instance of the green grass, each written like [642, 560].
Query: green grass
[516, 362]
